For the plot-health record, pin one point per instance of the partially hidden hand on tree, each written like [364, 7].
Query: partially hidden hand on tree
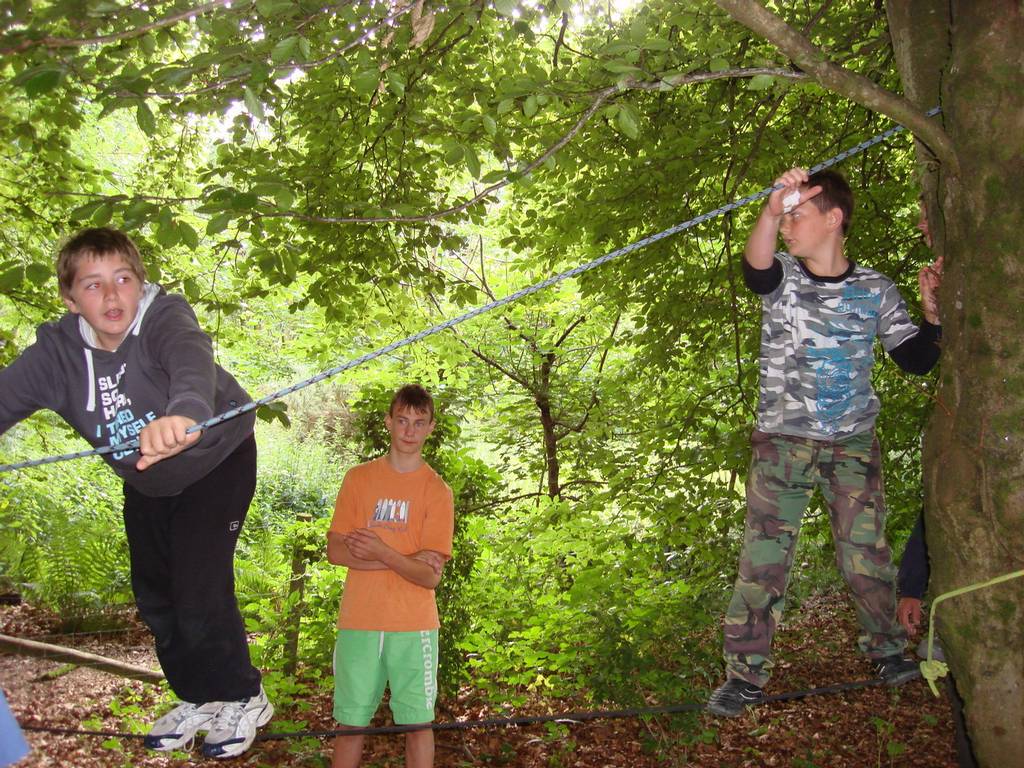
[165, 437]
[909, 614]
[930, 280]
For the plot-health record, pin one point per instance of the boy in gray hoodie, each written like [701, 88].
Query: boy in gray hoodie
[129, 360]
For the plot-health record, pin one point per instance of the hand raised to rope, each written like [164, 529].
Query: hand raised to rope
[165, 437]
[782, 201]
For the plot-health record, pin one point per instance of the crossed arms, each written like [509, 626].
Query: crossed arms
[363, 550]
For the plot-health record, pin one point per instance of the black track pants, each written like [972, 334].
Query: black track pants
[182, 556]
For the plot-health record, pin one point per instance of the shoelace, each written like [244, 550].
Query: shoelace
[182, 713]
[228, 717]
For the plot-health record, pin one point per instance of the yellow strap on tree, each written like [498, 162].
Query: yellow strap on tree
[931, 669]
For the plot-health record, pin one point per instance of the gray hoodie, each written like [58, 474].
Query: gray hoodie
[164, 367]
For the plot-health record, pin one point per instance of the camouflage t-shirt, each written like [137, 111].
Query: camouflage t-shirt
[817, 350]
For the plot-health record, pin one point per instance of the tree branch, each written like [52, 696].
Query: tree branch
[506, 371]
[599, 98]
[561, 40]
[831, 76]
[572, 327]
[66, 42]
[34, 648]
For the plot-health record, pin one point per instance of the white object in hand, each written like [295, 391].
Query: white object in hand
[791, 201]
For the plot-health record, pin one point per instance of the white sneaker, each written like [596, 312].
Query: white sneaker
[233, 727]
[179, 727]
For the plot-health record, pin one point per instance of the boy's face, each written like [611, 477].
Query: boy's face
[106, 292]
[805, 229]
[409, 429]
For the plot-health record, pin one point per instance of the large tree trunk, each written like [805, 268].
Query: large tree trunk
[972, 55]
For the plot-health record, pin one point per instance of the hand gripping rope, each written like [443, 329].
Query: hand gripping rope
[451, 323]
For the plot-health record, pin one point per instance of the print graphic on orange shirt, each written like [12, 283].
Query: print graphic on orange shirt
[390, 513]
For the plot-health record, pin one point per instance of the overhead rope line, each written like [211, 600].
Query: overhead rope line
[496, 722]
[451, 323]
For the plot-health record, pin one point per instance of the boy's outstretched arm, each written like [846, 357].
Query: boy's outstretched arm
[760, 250]
[419, 568]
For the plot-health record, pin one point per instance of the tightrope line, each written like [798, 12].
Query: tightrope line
[496, 722]
[451, 323]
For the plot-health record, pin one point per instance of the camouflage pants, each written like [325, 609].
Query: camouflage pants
[783, 474]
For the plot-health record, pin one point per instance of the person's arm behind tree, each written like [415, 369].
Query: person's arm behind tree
[912, 579]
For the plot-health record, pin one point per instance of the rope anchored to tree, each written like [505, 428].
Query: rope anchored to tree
[475, 312]
[933, 669]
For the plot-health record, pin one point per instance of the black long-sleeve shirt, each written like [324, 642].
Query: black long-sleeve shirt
[914, 572]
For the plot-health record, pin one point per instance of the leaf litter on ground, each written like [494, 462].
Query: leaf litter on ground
[904, 727]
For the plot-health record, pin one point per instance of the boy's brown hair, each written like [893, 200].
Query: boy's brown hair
[835, 193]
[412, 396]
[95, 243]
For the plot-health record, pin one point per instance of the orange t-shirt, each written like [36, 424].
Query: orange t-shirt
[410, 511]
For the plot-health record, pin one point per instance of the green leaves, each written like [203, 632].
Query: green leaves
[187, 234]
[396, 83]
[145, 118]
[626, 122]
[275, 411]
[103, 214]
[293, 47]
[38, 274]
[472, 161]
[271, 8]
[252, 103]
[12, 277]
[622, 68]
[530, 106]
[40, 80]
[365, 82]
[86, 210]
[218, 223]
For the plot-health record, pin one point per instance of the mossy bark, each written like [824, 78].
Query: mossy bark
[971, 56]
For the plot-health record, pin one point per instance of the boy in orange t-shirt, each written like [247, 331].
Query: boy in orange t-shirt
[392, 528]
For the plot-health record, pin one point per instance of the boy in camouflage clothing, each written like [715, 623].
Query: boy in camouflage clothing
[815, 424]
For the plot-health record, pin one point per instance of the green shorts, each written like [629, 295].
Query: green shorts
[367, 661]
